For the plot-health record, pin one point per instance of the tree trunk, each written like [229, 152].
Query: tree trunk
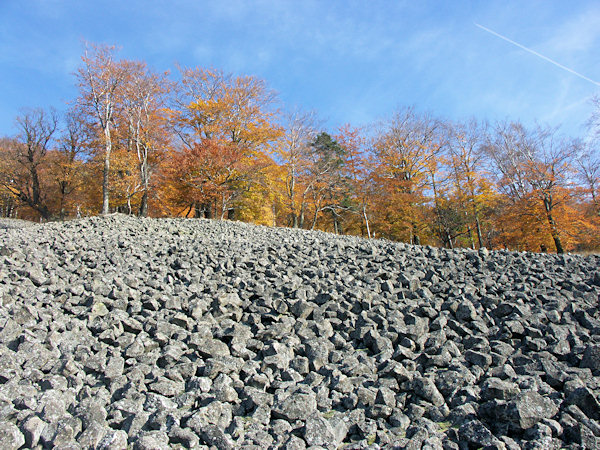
[470, 234]
[553, 227]
[366, 219]
[301, 218]
[143, 211]
[416, 240]
[105, 173]
[478, 228]
[231, 213]
[314, 221]
[449, 241]
[335, 222]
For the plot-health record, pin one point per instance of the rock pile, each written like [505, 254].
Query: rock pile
[119, 332]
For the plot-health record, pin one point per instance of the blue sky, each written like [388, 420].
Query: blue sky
[351, 61]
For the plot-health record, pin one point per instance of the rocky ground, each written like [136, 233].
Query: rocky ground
[119, 333]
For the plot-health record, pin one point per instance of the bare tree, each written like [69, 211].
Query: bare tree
[100, 79]
[293, 150]
[143, 98]
[67, 164]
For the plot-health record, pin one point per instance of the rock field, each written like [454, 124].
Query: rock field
[118, 332]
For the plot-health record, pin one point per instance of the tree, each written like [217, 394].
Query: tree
[100, 80]
[66, 162]
[212, 175]
[26, 157]
[235, 114]
[532, 166]
[358, 170]
[144, 100]
[292, 151]
[587, 164]
[404, 149]
[472, 189]
[327, 180]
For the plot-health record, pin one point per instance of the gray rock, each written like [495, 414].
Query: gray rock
[11, 437]
[152, 440]
[495, 388]
[476, 433]
[426, 388]
[183, 436]
[215, 413]
[591, 359]
[201, 333]
[527, 409]
[215, 436]
[318, 431]
[298, 406]
[113, 440]
[32, 429]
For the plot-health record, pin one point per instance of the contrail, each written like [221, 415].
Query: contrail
[537, 54]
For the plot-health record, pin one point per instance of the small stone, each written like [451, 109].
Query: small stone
[10, 436]
[495, 388]
[426, 388]
[466, 312]
[215, 413]
[153, 440]
[113, 440]
[298, 406]
[32, 429]
[591, 358]
[318, 431]
[476, 433]
[483, 360]
[528, 408]
[215, 436]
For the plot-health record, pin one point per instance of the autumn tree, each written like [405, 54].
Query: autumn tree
[67, 160]
[533, 169]
[100, 79]
[472, 188]
[358, 169]
[404, 149]
[25, 159]
[143, 109]
[293, 153]
[215, 110]
[9, 168]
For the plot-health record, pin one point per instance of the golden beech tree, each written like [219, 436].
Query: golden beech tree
[212, 175]
[471, 185]
[533, 165]
[403, 150]
[358, 170]
[230, 119]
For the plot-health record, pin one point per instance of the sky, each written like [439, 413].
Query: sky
[352, 61]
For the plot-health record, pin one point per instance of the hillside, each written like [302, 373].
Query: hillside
[159, 333]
